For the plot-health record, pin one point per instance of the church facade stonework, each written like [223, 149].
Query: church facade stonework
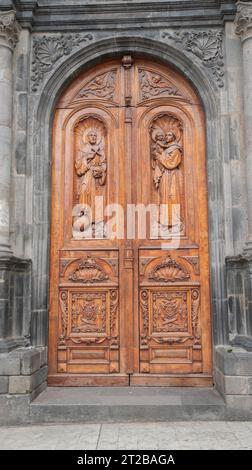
[45, 50]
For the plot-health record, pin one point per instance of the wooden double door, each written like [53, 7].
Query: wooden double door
[129, 281]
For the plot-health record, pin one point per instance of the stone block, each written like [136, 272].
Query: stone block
[9, 364]
[233, 360]
[249, 385]
[39, 377]
[4, 289]
[24, 384]
[30, 361]
[22, 111]
[20, 152]
[19, 384]
[239, 407]
[37, 391]
[236, 385]
[43, 355]
[14, 409]
[4, 384]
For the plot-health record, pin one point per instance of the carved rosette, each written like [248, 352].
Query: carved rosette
[48, 50]
[206, 46]
[88, 271]
[9, 29]
[243, 20]
[169, 271]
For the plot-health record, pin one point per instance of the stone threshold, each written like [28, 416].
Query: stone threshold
[122, 404]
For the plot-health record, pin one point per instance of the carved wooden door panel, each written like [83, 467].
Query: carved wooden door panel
[129, 305]
[172, 314]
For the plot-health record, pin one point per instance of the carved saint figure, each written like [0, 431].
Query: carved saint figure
[166, 160]
[91, 167]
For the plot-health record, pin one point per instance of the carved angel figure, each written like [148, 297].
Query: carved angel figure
[91, 167]
[166, 159]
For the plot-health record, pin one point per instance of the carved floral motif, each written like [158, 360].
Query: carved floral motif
[47, 50]
[153, 85]
[8, 28]
[170, 312]
[88, 271]
[102, 86]
[88, 312]
[206, 45]
[169, 271]
[243, 19]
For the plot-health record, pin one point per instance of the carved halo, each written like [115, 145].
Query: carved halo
[166, 122]
[91, 129]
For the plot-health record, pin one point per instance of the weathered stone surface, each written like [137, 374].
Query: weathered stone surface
[30, 361]
[9, 364]
[24, 384]
[239, 407]
[4, 384]
[14, 409]
[233, 384]
[233, 361]
[43, 355]
[123, 404]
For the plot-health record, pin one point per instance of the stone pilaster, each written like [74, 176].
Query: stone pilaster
[8, 40]
[243, 24]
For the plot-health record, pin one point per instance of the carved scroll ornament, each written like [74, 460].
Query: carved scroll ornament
[154, 85]
[102, 86]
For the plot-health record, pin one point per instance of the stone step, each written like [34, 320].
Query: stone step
[115, 404]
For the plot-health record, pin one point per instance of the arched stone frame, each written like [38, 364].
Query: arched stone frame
[41, 151]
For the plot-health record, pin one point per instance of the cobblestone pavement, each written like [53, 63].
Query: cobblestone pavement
[172, 435]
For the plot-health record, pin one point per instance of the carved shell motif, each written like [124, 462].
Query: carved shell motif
[168, 271]
[88, 271]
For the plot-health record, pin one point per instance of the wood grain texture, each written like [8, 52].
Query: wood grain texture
[133, 310]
